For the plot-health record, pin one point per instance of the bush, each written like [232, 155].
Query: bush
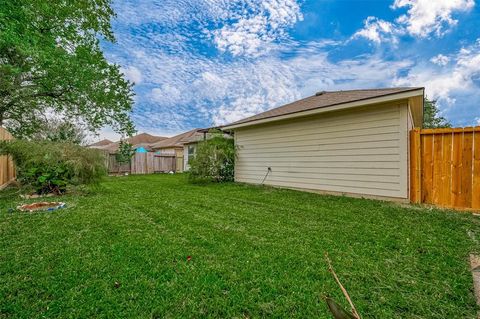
[49, 167]
[214, 160]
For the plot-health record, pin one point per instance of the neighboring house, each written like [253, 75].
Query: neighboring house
[175, 146]
[140, 141]
[190, 144]
[346, 142]
[100, 144]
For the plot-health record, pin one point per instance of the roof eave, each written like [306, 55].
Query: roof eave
[335, 107]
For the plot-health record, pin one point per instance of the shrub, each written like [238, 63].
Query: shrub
[214, 160]
[50, 167]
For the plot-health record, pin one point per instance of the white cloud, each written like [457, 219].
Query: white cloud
[442, 84]
[425, 17]
[133, 74]
[167, 95]
[257, 26]
[183, 87]
[440, 60]
[377, 30]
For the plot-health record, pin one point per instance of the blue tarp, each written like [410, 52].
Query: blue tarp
[141, 150]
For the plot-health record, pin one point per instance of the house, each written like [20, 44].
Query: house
[100, 144]
[345, 142]
[140, 142]
[175, 146]
[190, 144]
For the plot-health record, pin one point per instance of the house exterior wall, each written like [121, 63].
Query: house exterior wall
[166, 151]
[361, 151]
[179, 156]
[174, 151]
[187, 154]
[185, 157]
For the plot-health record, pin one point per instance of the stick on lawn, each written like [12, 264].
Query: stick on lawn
[345, 293]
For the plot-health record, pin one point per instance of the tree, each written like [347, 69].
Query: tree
[125, 152]
[431, 116]
[51, 63]
[61, 131]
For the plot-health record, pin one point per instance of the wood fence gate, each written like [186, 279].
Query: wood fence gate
[7, 169]
[445, 167]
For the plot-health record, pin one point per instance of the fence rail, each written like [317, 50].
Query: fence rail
[445, 167]
[143, 163]
[7, 169]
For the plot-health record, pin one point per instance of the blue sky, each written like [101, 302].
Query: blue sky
[209, 62]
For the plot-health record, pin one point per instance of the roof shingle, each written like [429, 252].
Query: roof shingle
[325, 99]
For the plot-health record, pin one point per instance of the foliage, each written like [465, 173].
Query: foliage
[61, 131]
[256, 252]
[431, 116]
[125, 152]
[51, 62]
[214, 160]
[50, 167]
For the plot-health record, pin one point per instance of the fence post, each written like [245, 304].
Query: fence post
[415, 166]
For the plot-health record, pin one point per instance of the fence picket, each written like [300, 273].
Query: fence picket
[476, 171]
[437, 183]
[466, 181]
[415, 166]
[427, 168]
[7, 168]
[449, 163]
[142, 163]
[446, 179]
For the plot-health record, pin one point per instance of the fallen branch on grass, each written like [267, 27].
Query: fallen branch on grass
[337, 311]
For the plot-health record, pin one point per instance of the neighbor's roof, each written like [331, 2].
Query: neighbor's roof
[177, 140]
[139, 139]
[145, 138]
[325, 99]
[101, 143]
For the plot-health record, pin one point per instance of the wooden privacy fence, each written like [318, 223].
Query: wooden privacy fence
[7, 169]
[143, 163]
[445, 167]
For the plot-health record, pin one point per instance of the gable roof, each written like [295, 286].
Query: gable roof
[145, 138]
[326, 100]
[177, 140]
[101, 143]
[142, 139]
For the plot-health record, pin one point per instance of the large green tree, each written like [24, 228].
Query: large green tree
[432, 117]
[56, 130]
[51, 63]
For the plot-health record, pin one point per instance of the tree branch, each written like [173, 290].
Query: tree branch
[345, 293]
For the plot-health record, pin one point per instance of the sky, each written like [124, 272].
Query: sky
[201, 63]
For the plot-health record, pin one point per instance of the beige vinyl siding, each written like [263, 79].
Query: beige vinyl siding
[361, 151]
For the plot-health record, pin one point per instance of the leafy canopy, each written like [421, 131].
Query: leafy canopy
[431, 116]
[61, 131]
[51, 63]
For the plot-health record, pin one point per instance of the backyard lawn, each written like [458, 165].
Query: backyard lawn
[157, 247]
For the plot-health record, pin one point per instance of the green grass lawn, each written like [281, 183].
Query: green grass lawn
[121, 252]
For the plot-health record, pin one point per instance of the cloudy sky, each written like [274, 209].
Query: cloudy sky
[197, 63]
